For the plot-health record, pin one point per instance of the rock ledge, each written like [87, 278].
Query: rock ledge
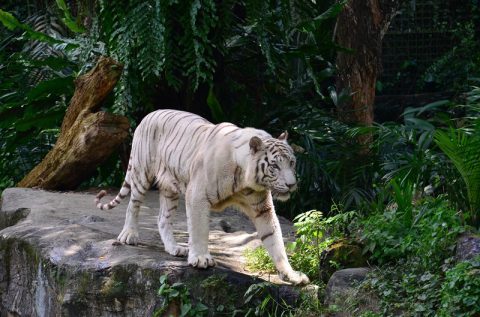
[58, 257]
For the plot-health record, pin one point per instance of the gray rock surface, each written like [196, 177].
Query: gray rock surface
[468, 246]
[59, 257]
[341, 293]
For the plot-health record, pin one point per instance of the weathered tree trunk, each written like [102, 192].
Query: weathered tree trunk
[87, 137]
[361, 27]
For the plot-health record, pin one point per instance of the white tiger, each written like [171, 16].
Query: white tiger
[215, 166]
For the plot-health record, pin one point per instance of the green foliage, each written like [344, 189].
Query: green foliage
[329, 162]
[408, 289]
[414, 248]
[178, 293]
[460, 294]
[258, 260]
[463, 149]
[156, 41]
[454, 69]
[68, 19]
[314, 235]
[427, 230]
[10, 22]
[265, 304]
[405, 289]
[34, 87]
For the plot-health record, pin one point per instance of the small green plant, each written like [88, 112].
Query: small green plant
[316, 234]
[461, 290]
[265, 304]
[178, 293]
[258, 260]
[307, 249]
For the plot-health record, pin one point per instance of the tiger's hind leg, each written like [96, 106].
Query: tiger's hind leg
[129, 234]
[168, 207]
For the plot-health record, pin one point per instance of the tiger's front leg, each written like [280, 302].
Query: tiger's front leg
[198, 210]
[268, 228]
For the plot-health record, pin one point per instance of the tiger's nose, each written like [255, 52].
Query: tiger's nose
[292, 186]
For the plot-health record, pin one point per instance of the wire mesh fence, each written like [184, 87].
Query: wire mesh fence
[418, 36]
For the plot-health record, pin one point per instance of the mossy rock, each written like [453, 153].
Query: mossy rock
[342, 254]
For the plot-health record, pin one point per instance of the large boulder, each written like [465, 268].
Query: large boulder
[59, 257]
[468, 246]
[342, 293]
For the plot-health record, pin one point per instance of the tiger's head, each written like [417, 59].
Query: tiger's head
[275, 165]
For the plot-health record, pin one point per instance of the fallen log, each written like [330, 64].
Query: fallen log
[87, 137]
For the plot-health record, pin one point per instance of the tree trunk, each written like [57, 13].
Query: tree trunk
[360, 28]
[87, 138]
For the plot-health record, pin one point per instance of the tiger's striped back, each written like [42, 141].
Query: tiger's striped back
[164, 147]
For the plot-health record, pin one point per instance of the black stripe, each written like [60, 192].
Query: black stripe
[179, 139]
[266, 236]
[188, 143]
[234, 130]
[248, 191]
[136, 189]
[218, 194]
[169, 144]
[236, 176]
[261, 201]
[263, 211]
[165, 121]
[212, 130]
[208, 198]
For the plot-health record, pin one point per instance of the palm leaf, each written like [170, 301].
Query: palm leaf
[463, 150]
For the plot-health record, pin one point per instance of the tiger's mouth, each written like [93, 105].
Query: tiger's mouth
[282, 196]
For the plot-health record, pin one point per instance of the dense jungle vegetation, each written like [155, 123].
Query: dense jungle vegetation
[402, 190]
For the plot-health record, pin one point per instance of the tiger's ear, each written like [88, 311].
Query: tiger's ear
[283, 136]
[256, 144]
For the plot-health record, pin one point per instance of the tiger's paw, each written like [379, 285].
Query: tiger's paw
[178, 251]
[295, 277]
[128, 236]
[201, 261]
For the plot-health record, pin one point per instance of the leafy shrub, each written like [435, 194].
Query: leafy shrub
[428, 230]
[454, 69]
[405, 288]
[461, 290]
[314, 235]
[179, 294]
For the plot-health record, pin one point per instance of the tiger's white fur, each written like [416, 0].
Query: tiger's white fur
[215, 166]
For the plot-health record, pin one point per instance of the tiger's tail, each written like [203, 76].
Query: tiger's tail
[124, 191]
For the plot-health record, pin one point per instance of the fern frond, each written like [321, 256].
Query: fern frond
[463, 150]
